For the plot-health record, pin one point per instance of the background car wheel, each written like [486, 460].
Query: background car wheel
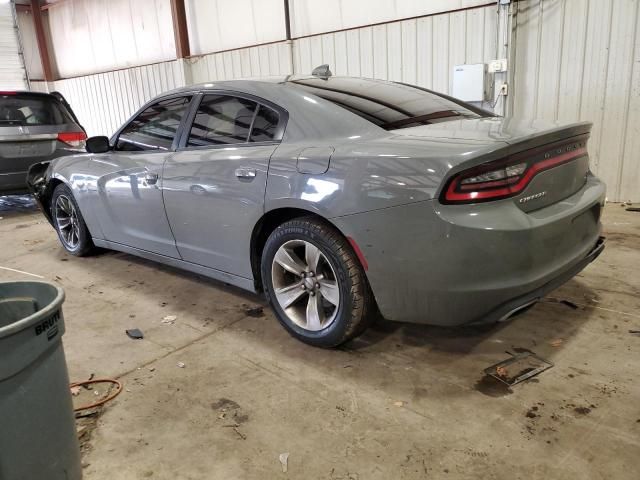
[315, 283]
[68, 222]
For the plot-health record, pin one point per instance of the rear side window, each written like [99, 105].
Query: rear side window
[222, 120]
[155, 128]
[28, 109]
[264, 125]
[389, 105]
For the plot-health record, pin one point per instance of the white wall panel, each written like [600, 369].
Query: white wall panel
[216, 25]
[12, 72]
[579, 60]
[310, 17]
[261, 61]
[30, 50]
[421, 51]
[99, 35]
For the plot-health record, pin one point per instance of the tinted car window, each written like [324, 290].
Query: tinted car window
[222, 120]
[387, 104]
[264, 125]
[154, 128]
[29, 109]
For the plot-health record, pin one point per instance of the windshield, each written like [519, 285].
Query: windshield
[389, 105]
[23, 109]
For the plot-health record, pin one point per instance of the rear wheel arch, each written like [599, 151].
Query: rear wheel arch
[267, 224]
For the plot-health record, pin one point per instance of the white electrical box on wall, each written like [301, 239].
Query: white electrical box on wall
[468, 82]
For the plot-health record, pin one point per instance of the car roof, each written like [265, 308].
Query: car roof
[240, 84]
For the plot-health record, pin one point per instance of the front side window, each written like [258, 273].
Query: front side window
[155, 128]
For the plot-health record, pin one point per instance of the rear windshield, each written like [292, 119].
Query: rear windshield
[25, 109]
[389, 105]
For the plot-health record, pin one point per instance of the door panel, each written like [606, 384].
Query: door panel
[213, 199]
[130, 207]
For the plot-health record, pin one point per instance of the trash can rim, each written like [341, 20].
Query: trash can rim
[44, 312]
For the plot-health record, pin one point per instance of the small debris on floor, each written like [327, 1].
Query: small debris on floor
[565, 302]
[135, 334]
[240, 434]
[75, 391]
[169, 319]
[582, 410]
[532, 412]
[557, 342]
[256, 311]
[569, 304]
[284, 461]
[180, 365]
[526, 364]
[398, 404]
[635, 331]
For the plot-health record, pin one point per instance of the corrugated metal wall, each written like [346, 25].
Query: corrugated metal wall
[98, 35]
[265, 60]
[311, 17]
[580, 59]
[420, 51]
[217, 25]
[12, 73]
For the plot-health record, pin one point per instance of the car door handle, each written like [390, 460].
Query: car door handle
[246, 173]
[151, 178]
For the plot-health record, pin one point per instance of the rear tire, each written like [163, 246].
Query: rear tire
[69, 223]
[315, 283]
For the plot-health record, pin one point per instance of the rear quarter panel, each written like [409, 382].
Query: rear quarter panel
[369, 173]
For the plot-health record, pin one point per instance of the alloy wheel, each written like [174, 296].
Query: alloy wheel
[67, 221]
[305, 285]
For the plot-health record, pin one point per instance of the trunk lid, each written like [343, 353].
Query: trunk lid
[555, 153]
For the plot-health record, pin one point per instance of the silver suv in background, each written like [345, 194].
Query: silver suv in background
[34, 127]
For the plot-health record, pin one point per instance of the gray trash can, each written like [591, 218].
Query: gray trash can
[38, 439]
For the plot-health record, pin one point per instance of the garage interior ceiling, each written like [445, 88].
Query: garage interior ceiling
[570, 60]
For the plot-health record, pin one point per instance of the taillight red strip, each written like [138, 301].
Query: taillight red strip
[71, 136]
[511, 190]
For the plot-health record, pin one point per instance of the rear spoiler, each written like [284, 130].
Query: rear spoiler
[70, 111]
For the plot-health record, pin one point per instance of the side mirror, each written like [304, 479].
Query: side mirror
[98, 144]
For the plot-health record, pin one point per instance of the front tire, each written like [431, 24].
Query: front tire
[315, 283]
[69, 224]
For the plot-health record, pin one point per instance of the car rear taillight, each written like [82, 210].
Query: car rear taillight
[73, 139]
[508, 177]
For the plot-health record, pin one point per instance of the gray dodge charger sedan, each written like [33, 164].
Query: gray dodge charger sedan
[341, 198]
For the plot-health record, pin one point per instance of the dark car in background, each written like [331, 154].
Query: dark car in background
[34, 127]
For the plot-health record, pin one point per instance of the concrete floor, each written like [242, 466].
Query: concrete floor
[401, 402]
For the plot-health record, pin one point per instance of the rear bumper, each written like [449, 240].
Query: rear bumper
[457, 264]
[511, 307]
